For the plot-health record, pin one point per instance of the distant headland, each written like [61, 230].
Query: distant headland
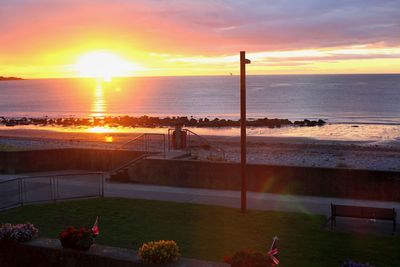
[2, 78]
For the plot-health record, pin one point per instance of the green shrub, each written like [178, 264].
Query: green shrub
[163, 251]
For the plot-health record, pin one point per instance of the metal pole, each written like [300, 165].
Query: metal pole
[243, 62]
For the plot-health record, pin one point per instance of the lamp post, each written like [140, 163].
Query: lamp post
[243, 62]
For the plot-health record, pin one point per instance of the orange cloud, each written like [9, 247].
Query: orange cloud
[43, 38]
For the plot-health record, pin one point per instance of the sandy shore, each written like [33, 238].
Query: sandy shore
[261, 150]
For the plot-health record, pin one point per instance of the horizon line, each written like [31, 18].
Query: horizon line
[209, 75]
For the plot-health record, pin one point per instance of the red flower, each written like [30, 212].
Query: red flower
[228, 259]
[64, 234]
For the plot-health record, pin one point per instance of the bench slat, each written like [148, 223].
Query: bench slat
[363, 212]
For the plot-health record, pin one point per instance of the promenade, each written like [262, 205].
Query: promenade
[256, 201]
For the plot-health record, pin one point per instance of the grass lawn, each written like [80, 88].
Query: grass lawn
[210, 232]
[7, 148]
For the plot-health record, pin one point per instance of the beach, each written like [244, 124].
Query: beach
[281, 150]
[356, 130]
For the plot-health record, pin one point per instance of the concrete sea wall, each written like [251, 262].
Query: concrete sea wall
[329, 182]
[63, 159]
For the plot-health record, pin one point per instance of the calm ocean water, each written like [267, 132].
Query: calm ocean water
[371, 99]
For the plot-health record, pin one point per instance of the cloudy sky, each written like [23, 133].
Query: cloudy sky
[45, 38]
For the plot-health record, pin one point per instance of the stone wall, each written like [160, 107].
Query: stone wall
[45, 252]
[63, 159]
[328, 182]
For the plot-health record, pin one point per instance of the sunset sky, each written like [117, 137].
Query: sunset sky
[48, 38]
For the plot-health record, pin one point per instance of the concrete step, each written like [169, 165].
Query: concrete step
[172, 154]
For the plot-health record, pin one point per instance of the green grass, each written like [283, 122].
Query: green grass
[4, 147]
[210, 232]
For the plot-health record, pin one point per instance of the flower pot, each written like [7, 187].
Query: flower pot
[73, 238]
[78, 245]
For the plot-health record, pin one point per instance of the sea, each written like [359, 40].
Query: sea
[355, 107]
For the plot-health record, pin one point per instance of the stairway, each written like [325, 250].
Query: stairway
[120, 173]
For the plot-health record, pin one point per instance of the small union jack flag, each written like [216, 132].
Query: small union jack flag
[273, 252]
[95, 228]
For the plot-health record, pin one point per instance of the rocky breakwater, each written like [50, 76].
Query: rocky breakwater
[146, 121]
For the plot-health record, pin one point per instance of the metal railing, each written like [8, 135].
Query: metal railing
[196, 142]
[47, 188]
[127, 164]
[150, 143]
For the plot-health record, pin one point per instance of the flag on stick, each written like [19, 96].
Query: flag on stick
[95, 228]
[273, 252]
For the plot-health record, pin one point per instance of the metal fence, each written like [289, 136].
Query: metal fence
[10, 193]
[24, 190]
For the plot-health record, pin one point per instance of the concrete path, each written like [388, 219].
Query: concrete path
[256, 201]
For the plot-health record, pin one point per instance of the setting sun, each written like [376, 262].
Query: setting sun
[104, 65]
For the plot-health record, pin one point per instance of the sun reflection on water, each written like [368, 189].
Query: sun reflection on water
[100, 129]
[99, 105]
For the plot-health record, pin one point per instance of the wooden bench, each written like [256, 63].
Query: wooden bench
[362, 213]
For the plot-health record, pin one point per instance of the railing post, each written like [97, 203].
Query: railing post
[52, 189]
[20, 198]
[55, 181]
[23, 191]
[189, 137]
[164, 146]
[102, 184]
[169, 141]
[112, 160]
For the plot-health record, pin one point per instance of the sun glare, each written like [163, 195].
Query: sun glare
[104, 65]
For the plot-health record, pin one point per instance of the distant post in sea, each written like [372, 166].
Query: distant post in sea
[243, 161]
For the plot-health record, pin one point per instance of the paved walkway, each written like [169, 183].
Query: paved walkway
[259, 201]
[256, 201]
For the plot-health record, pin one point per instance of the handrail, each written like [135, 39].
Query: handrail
[10, 180]
[60, 175]
[128, 164]
[146, 148]
[49, 175]
[207, 142]
[199, 136]
[145, 140]
[130, 141]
